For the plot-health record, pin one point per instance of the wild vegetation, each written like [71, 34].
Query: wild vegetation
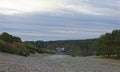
[14, 45]
[75, 47]
[107, 45]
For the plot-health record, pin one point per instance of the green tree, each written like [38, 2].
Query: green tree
[9, 38]
[6, 37]
[109, 44]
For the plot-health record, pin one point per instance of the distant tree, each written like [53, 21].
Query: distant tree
[17, 39]
[9, 38]
[116, 42]
[6, 37]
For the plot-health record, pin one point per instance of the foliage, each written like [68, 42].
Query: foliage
[109, 44]
[75, 47]
[13, 48]
[9, 38]
[14, 45]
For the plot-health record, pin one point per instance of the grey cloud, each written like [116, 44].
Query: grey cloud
[66, 25]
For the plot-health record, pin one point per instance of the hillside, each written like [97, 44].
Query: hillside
[75, 47]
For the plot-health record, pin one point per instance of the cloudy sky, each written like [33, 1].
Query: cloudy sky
[59, 19]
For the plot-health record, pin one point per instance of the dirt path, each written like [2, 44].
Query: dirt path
[56, 63]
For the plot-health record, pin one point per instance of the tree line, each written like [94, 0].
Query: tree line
[109, 44]
[106, 45]
[75, 47]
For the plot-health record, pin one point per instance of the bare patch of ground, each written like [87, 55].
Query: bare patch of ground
[56, 63]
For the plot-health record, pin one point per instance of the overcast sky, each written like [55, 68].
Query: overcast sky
[59, 19]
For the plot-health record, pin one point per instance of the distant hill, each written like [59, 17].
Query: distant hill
[86, 47]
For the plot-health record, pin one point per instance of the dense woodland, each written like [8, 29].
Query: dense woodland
[107, 45]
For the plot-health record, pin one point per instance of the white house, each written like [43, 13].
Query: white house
[58, 49]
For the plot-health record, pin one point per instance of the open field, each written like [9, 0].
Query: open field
[56, 63]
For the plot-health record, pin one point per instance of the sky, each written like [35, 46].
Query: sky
[59, 19]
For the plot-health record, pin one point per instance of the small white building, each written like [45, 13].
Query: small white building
[58, 49]
[62, 49]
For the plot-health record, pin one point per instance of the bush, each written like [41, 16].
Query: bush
[13, 48]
